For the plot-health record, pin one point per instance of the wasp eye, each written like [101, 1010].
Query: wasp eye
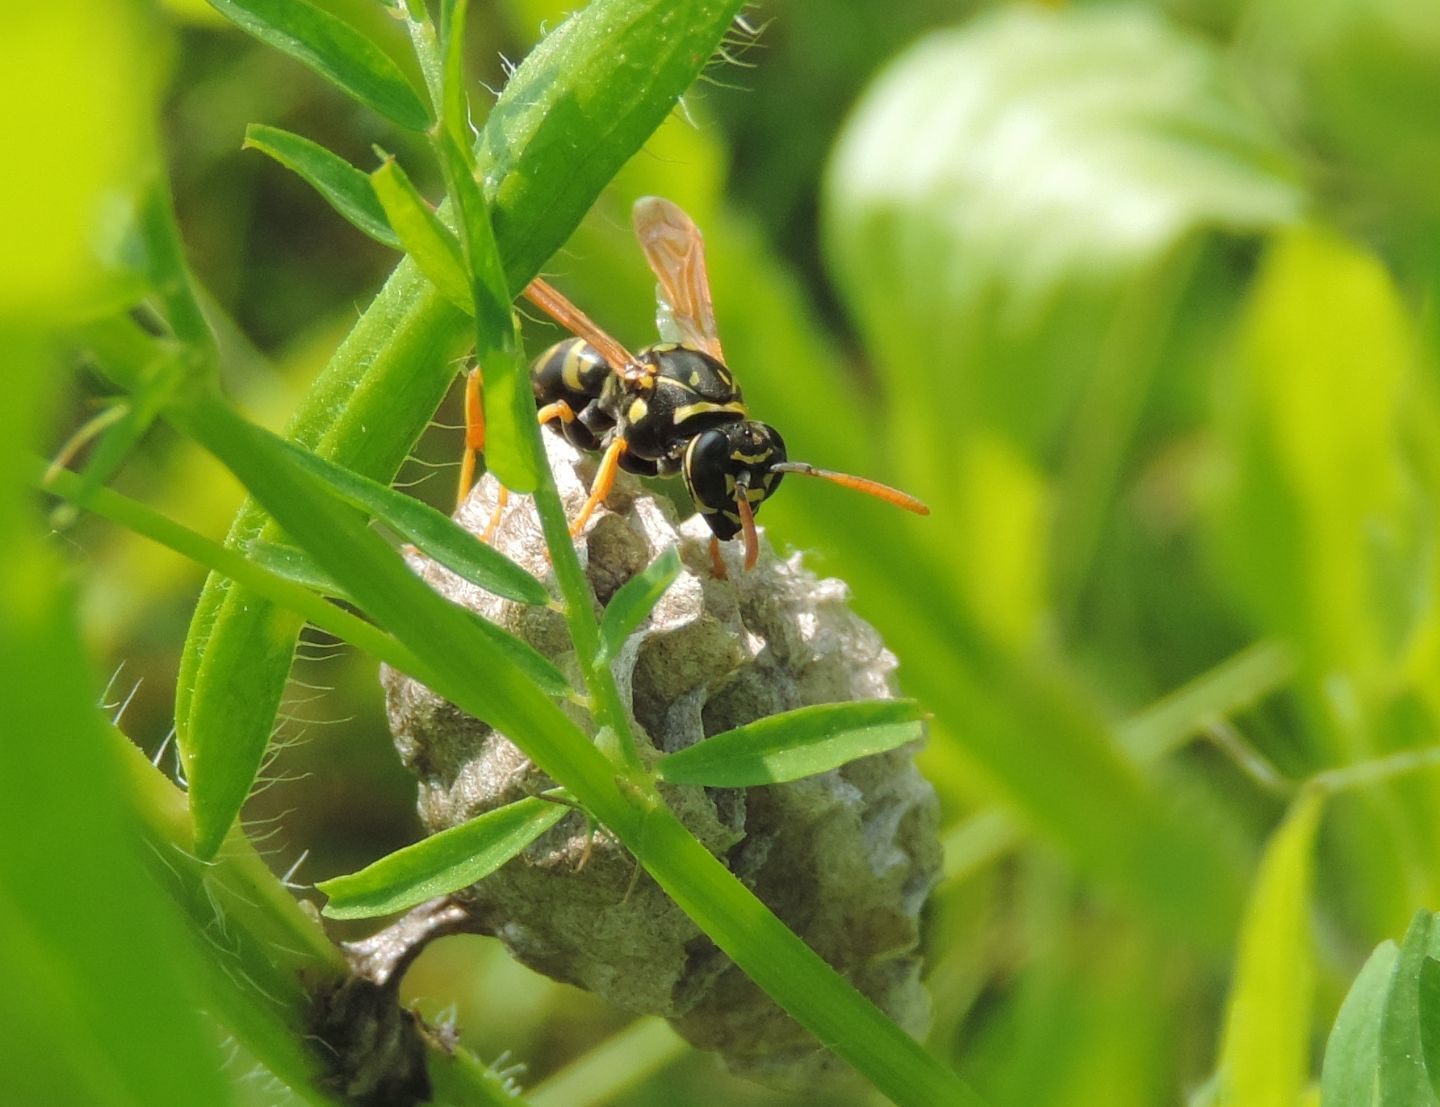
[705, 466]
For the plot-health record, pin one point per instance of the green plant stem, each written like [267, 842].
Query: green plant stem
[579, 611]
[227, 562]
[606, 705]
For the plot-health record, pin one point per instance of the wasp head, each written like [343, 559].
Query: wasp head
[729, 471]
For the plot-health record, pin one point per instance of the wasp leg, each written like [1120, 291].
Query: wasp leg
[474, 433]
[604, 481]
[717, 563]
[502, 497]
[558, 410]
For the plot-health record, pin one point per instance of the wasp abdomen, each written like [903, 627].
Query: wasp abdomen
[573, 372]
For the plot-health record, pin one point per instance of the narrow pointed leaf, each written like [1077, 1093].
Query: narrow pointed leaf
[1265, 1053]
[1402, 1080]
[433, 534]
[510, 449]
[295, 565]
[795, 744]
[530, 661]
[425, 238]
[441, 863]
[1376, 1053]
[335, 50]
[457, 103]
[340, 184]
[1353, 1050]
[632, 604]
[477, 667]
[1430, 1021]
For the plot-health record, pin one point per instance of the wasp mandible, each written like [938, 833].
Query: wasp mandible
[671, 407]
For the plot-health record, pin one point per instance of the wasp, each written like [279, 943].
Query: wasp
[674, 407]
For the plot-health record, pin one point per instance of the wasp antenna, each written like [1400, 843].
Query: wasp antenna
[859, 484]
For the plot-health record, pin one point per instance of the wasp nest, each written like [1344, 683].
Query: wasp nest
[846, 858]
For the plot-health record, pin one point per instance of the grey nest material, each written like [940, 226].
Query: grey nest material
[846, 858]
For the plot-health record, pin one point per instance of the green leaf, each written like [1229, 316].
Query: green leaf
[295, 565]
[1376, 1053]
[434, 534]
[426, 239]
[525, 657]
[442, 863]
[796, 744]
[1265, 1051]
[340, 184]
[1430, 1021]
[1353, 1050]
[335, 50]
[632, 604]
[456, 99]
[1027, 192]
[511, 444]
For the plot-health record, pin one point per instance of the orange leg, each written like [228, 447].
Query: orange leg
[558, 410]
[502, 497]
[474, 433]
[717, 563]
[604, 481]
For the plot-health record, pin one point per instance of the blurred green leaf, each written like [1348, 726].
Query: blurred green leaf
[426, 239]
[1359, 80]
[335, 50]
[632, 604]
[433, 534]
[443, 862]
[1001, 182]
[795, 744]
[1013, 215]
[1265, 1051]
[340, 184]
[1321, 513]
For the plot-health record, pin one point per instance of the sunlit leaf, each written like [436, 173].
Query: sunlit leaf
[1430, 1021]
[434, 534]
[510, 441]
[340, 184]
[637, 597]
[1375, 1056]
[1265, 1051]
[426, 239]
[795, 744]
[535, 665]
[294, 564]
[442, 863]
[335, 50]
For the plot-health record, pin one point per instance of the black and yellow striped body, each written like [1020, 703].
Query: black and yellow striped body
[684, 414]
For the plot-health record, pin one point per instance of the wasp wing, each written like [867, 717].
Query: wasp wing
[548, 299]
[675, 250]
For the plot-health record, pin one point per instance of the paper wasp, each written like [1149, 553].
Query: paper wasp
[671, 407]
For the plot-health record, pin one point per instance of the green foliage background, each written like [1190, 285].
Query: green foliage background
[1138, 297]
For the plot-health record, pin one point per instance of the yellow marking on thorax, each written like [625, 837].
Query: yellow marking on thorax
[705, 407]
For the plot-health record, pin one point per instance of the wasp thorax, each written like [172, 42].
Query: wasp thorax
[719, 463]
[845, 858]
